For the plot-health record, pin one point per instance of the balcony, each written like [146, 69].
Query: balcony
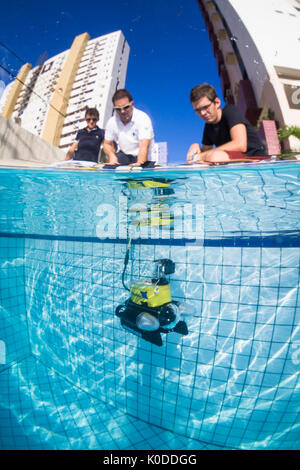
[246, 101]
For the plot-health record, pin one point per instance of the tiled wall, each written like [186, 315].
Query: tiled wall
[14, 340]
[231, 381]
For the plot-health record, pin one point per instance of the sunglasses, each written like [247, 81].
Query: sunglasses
[91, 119]
[123, 108]
[203, 108]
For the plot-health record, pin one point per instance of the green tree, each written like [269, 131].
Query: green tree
[287, 131]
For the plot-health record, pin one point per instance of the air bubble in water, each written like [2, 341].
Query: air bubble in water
[234, 38]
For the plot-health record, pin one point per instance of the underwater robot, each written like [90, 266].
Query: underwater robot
[150, 311]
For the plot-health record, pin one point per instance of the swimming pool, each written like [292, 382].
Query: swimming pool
[72, 377]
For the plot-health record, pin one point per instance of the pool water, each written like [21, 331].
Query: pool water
[72, 377]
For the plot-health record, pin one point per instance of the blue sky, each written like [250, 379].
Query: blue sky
[170, 52]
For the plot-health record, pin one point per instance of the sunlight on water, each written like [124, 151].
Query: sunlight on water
[231, 379]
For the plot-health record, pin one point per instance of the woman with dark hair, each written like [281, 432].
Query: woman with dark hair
[88, 140]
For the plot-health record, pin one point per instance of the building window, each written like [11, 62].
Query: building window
[47, 67]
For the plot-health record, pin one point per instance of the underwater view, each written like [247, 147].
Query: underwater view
[156, 310]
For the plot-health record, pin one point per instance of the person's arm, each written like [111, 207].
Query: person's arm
[71, 151]
[238, 142]
[145, 135]
[195, 150]
[143, 152]
[109, 150]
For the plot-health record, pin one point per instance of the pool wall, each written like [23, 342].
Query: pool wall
[15, 344]
[233, 381]
[19, 147]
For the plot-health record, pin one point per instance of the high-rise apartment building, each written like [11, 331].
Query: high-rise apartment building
[160, 153]
[49, 100]
[257, 48]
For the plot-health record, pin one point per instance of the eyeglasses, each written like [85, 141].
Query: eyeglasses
[91, 119]
[203, 108]
[122, 108]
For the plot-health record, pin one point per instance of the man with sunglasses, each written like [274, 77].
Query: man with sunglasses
[227, 129]
[131, 129]
[88, 140]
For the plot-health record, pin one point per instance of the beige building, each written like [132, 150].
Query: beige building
[257, 49]
[50, 100]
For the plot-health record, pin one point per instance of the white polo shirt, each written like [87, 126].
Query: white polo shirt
[128, 136]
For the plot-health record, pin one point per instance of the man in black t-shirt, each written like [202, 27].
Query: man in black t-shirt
[227, 129]
[88, 140]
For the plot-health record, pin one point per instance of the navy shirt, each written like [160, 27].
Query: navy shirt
[89, 143]
[219, 133]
